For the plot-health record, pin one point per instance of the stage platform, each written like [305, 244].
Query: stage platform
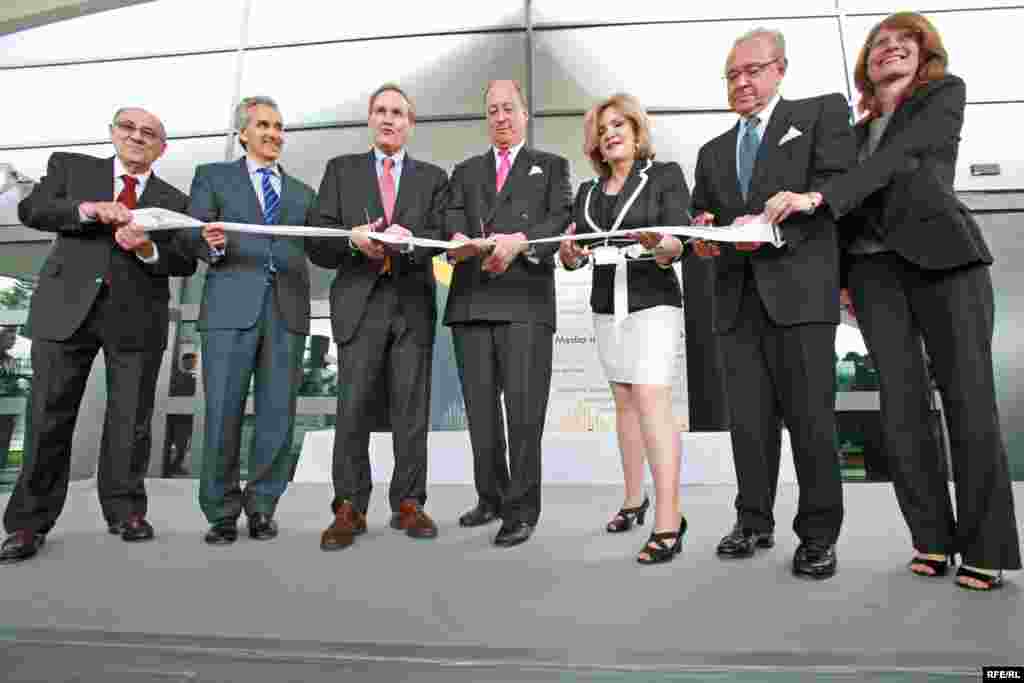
[569, 605]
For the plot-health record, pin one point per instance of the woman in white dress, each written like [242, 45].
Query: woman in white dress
[637, 304]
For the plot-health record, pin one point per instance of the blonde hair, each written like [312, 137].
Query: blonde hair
[632, 111]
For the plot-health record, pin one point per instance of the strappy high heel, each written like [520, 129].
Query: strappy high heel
[658, 551]
[939, 567]
[625, 518]
[989, 581]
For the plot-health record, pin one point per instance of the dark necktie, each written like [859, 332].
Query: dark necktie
[127, 196]
[748, 154]
[271, 200]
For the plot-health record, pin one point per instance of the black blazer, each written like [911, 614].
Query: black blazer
[659, 196]
[905, 189]
[799, 282]
[348, 193]
[536, 200]
[84, 253]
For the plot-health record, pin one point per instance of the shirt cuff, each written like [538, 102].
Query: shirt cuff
[216, 254]
[152, 259]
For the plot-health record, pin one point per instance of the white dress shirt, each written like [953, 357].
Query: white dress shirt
[764, 116]
[140, 187]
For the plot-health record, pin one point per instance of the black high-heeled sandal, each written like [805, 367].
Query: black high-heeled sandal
[662, 552]
[940, 567]
[990, 581]
[624, 519]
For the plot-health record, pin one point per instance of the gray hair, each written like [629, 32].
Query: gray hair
[774, 35]
[247, 103]
[121, 110]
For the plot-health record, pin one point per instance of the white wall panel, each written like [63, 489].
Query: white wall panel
[68, 103]
[176, 166]
[885, 7]
[273, 22]
[149, 28]
[677, 65]
[980, 45]
[676, 137]
[325, 83]
[984, 140]
[617, 11]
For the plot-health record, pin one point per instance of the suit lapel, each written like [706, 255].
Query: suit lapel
[255, 210]
[769, 148]
[728, 176]
[151, 195]
[406, 188]
[488, 191]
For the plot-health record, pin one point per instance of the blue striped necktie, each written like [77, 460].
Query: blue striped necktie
[271, 200]
[748, 153]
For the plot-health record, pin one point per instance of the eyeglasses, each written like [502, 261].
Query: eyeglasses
[751, 71]
[147, 134]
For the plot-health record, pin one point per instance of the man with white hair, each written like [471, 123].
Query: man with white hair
[103, 286]
[776, 309]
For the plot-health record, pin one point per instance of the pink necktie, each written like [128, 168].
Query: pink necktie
[387, 189]
[503, 168]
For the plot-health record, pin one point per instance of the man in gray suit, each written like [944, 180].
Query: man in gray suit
[254, 317]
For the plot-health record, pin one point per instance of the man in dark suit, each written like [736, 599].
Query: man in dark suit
[382, 314]
[776, 309]
[103, 286]
[501, 308]
[254, 317]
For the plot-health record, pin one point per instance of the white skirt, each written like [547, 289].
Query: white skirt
[645, 347]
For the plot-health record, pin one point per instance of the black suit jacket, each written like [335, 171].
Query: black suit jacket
[85, 253]
[535, 200]
[905, 189]
[799, 282]
[658, 195]
[349, 192]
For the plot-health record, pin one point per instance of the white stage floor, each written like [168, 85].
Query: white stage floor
[570, 602]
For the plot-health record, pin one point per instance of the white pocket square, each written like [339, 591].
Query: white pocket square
[534, 170]
[790, 134]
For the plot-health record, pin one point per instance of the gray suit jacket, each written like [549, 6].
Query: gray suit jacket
[232, 297]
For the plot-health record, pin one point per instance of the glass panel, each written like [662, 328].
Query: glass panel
[176, 166]
[676, 137]
[447, 76]
[576, 67]
[315, 20]
[984, 140]
[961, 33]
[185, 373]
[615, 11]
[203, 103]
[320, 361]
[146, 28]
[885, 7]
[19, 264]
[15, 384]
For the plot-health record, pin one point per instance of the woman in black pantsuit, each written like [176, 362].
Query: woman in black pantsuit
[918, 270]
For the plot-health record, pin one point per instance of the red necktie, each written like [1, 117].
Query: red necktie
[503, 168]
[127, 196]
[387, 197]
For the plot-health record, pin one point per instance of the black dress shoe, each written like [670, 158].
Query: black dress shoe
[20, 546]
[513, 533]
[815, 559]
[135, 529]
[223, 533]
[262, 527]
[741, 542]
[478, 516]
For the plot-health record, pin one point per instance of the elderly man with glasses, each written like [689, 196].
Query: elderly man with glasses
[103, 286]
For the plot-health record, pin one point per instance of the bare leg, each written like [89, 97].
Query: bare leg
[653, 404]
[631, 444]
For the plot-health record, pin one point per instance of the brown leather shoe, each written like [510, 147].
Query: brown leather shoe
[411, 519]
[348, 523]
